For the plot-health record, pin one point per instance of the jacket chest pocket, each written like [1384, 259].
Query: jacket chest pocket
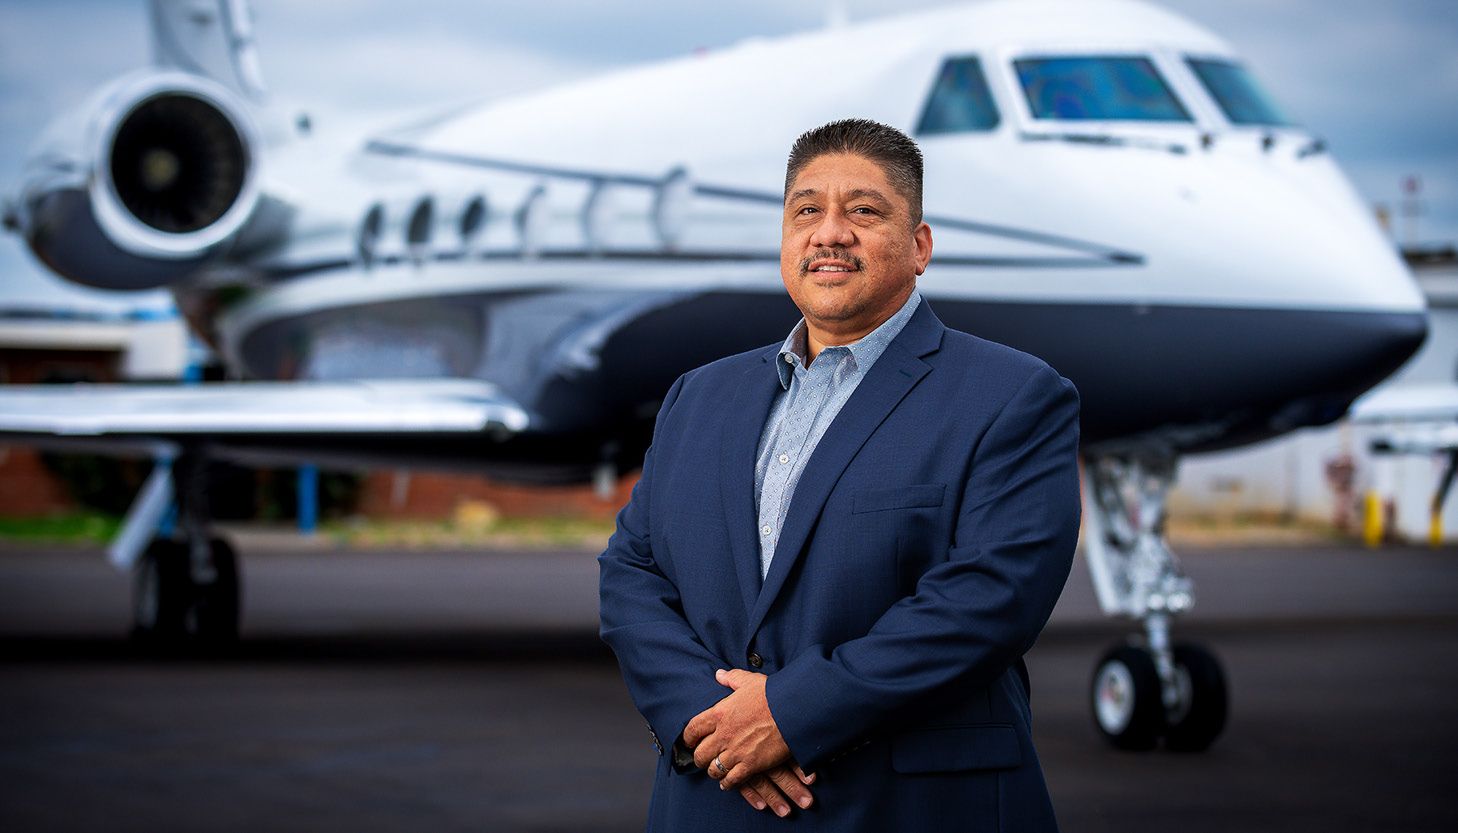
[906, 523]
[885, 499]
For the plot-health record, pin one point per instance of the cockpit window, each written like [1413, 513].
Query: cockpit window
[1236, 91]
[960, 102]
[1097, 89]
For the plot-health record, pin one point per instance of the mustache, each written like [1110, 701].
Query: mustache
[830, 254]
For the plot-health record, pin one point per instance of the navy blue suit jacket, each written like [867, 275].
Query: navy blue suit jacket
[928, 538]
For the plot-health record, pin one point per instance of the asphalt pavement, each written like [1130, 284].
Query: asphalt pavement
[384, 691]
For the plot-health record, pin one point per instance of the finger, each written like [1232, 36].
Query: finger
[737, 775]
[714, 769]
[704, 755]
[791, 787]
[698, 728]
[772, 797]
[808, 779]
[753, 797]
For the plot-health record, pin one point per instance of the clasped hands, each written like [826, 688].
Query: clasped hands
[738, 744]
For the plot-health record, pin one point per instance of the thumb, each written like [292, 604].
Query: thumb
[733, 678]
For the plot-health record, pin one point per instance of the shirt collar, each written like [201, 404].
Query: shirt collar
[863, 351]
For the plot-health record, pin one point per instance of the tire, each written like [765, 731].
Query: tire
[1128, 708]
[161, 593]
[218, 606]
[1200, 718]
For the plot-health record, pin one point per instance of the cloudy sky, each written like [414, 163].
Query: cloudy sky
[1377, 78]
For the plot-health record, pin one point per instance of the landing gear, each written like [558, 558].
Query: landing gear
[1200, 717]
[171, 606]
[1126, 698]
[1150, 688]
[161, 592]
[186, 590]
[216, 603]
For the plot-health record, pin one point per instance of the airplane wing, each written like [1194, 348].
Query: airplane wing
[1410, 419]
[154, 420]
[252, 408]
[1407, 403]
[1418, 420]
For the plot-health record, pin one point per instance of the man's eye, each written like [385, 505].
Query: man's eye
[808, 209]
[863, 209]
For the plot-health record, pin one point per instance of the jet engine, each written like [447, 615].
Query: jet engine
[159, 174]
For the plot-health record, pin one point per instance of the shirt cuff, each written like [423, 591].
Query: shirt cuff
[683, 757]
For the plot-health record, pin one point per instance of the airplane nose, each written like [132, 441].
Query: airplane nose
[1335, 357]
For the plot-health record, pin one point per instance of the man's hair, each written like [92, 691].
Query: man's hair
[894, 151]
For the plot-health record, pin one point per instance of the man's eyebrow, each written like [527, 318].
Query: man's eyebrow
[855, 194]
[867, 193]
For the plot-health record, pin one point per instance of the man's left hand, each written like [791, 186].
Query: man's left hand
[737, 732]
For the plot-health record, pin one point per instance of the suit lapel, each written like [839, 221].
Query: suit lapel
[893, 375]
[743, 423]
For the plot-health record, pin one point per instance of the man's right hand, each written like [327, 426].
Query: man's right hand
[779, 789]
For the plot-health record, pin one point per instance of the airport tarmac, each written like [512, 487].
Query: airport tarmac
[381, 691]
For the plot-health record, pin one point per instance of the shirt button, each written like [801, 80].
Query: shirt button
[784, 458]
[756, 660]
[789, 358]
[766, 529]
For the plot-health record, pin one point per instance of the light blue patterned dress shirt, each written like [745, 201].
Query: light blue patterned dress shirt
[813, 394]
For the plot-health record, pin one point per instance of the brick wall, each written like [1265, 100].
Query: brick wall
[426, 495]
[27, 487]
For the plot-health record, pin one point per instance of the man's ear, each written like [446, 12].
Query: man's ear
[923, 238]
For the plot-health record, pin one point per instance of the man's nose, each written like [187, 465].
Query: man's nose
[834, 230]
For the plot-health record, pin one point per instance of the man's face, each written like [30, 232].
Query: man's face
[849, 254]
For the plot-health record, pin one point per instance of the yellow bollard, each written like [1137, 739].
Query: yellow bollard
[1435, 529]
[1372, 519]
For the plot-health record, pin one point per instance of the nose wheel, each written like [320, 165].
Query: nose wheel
[1133, 707]
[1154, 689]
[1127, 705]
[1198, 716]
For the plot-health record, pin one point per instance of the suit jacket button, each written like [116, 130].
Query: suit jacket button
[756, 660]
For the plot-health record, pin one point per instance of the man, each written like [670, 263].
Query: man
[840, 548]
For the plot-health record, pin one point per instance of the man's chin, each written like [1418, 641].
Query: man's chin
[833, 313]
[832, 280]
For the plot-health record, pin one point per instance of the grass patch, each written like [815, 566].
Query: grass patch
[1252, 529]
[498, 533]
[77, 528]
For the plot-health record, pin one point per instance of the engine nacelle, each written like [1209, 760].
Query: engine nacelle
[144, 184]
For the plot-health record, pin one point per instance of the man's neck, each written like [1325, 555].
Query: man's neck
[817, 339]
[814, 342]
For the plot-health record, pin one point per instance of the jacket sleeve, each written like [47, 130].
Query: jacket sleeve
[669, 672]
[971, 616]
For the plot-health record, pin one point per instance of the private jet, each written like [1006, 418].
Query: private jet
[511, 288]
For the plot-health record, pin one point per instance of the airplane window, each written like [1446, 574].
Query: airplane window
[960, 102]
[1237, 93]
[1097, 88]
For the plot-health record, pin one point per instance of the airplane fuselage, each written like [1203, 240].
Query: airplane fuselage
[1105, 190]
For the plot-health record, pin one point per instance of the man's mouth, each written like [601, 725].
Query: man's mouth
[830, 262]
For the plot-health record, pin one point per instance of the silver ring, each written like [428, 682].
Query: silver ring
[719, 765]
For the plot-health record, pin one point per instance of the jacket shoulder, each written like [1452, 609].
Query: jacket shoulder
[987, 363]
[726, 368]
